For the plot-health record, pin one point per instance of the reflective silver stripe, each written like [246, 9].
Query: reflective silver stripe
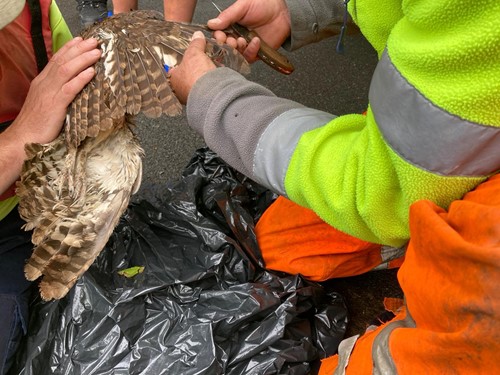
[345, 350]
[388, 254]
[426, 135]
[383, 363]
[278, 142]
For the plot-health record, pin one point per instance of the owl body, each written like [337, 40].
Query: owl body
[74, 190]
[70, 228]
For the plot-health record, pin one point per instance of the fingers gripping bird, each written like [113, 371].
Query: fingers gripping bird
[74, 190]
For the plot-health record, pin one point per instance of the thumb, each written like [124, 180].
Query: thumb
[198, 41]
[227, 17]
[197, 35]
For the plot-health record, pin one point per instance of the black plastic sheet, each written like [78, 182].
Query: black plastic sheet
[202, 305]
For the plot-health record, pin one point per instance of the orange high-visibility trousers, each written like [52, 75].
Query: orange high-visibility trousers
[295, 240]
[451, 281]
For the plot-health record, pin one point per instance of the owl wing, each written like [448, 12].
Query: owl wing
[138, 49]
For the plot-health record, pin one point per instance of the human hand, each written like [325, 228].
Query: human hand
[44, 110]
[195, 64]
[269, 18]
[42, 115]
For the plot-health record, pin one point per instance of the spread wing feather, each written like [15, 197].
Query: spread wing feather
[137, 47]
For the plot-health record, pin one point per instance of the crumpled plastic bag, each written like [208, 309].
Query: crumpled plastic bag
[203, 303]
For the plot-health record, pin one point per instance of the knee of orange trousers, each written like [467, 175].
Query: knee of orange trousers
[294, 239]
[450, 279]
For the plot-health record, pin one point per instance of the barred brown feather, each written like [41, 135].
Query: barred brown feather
[74, 190]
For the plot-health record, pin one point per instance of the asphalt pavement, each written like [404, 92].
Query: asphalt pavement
[323, 79]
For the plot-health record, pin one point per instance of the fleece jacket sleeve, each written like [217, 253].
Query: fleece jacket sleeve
[343, 168]
[231, 113]
[448, 52]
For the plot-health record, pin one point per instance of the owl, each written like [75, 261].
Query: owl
[73, 191]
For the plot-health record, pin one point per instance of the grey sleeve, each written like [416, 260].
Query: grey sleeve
[313, 20]
[231, 113]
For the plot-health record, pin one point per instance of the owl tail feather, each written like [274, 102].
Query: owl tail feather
[72, 247]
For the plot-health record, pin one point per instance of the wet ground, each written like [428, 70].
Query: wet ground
[323, 80]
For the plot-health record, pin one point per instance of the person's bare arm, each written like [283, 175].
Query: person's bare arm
[44, 110]
[179, 10]
[174, 10]
[122, 6]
